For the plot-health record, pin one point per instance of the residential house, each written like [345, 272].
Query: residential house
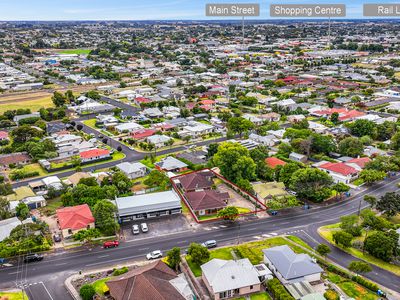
[290, 267]
[7, 225]
[158, 140]
[74, 218]
[149, 282]
[16, 159]
[3, 135]
[171, 111]
[206, 202]
[142, 134]
[287, 104]
[171, 164]
[146, 206]
[298, 157]
[268, 140]
[254, 119]
[128, 127]
[52, 182]
[271, 117]
[195, 157]
[76, 177]
[152, 112]
[132, 170]
[94, 154]
[18, 118]
[35, 202]
[196, 129]
[227, 279]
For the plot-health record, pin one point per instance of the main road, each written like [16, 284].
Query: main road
[44, 280]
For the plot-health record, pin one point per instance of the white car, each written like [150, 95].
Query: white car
[154, 255]
[144, 227]
[135, 229]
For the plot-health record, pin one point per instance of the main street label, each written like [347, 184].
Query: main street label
[233, 10]
[307, 10]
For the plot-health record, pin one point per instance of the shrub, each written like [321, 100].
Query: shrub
[278, 290]
[120, 271]
[87, 292]
[331, 295]
[244, 251]
[365, 283]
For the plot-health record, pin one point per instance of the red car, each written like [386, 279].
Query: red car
[111, 244]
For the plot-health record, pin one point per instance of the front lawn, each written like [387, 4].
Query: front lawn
[34, 168]
[13, 296]
[74, 51]
[51, 207]
[91, 123]
[351, 288]
[327, 231]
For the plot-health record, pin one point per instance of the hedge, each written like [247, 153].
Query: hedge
[278, 290]
[365, 283]
[117, 272]
[245, 252]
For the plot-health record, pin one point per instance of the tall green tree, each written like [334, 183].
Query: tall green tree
[174, 258]
[229, 213]
[359, 267]
[383, 245]
[311, 183]
[342, 238]
[351, 146]
[121, 181]
[58, 99]
[22, 211]
[323, 250]
[371, 176]
[104, 214]
[389, 204]
[198, 253]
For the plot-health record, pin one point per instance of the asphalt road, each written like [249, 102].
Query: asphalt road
[53, 270]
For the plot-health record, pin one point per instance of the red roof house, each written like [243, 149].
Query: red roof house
[141, 134]
[344, 172]
[74, 218]
[3, 135]
[272, 162]
[206, 202]
[94, 154]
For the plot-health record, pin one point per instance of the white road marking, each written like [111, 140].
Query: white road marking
[102, 256]
[14, 272]
[257, 237]
[273, 233]
[266, 235]
[61, 264]
[223, 226]
[47, 290]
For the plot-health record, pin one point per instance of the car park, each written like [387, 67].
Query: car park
[209, 244]
[33, 257]
[154, 255]
[111, 244]
[144, 227]
[135, 229]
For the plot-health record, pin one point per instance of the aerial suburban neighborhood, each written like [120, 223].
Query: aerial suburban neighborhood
[193, 157]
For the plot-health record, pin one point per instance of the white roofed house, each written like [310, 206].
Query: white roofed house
[171, 164]
[128, 127]
[254, 119]
[7, 225]
[268, 140]
[230, 279]
[158, 140]
[288, 104]
[133, 170]
[195, 129]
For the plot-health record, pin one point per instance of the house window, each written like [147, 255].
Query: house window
[69, 231]
[251, 287]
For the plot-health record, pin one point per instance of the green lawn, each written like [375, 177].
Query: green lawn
[34, 168]
[351, 288]
[259, 296]
[13, 296]
[74, 51]
[33, 105]
[51, 207]
[299, 241]
[100, 286]
[91, 123]
[327, 231]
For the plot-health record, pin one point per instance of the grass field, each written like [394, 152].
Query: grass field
[259, 296]
[33, 105]
[74, 51]
[327, 231]
[13, 296]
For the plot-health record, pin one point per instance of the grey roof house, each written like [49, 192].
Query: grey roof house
[133, 170]
[290, 267]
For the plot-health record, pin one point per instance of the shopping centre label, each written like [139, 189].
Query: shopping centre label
[307, 10]
[232, 10]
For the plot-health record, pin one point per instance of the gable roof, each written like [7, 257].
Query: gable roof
[359, 161]
[150, 282]
[208, 199]
[223, 275]
[170, 163]
[272, 162]
[289, 264]
[75, 217]
[94, 153]
[340, 168]
[7, 225]
[196, 180]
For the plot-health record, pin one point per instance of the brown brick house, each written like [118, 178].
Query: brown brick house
[206, 202]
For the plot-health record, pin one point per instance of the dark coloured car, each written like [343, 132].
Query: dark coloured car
[33, 257]
[272, 212]
[57, 238]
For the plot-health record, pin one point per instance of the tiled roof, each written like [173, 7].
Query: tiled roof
[272, 162]
[13, 158]
[208, 199]
[94, 153]
[340, 168]
[359, 161]
[75, 217]
[142, 133]
[150, 282]
[196, 180]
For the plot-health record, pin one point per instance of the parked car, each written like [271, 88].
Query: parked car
[111, 244]
[272, 212]
[57, 238]
[209, 244]
[33, 257]
[135, 229]
[154, 255]
[144, 227]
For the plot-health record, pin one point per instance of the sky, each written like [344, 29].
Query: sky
[49, 10]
